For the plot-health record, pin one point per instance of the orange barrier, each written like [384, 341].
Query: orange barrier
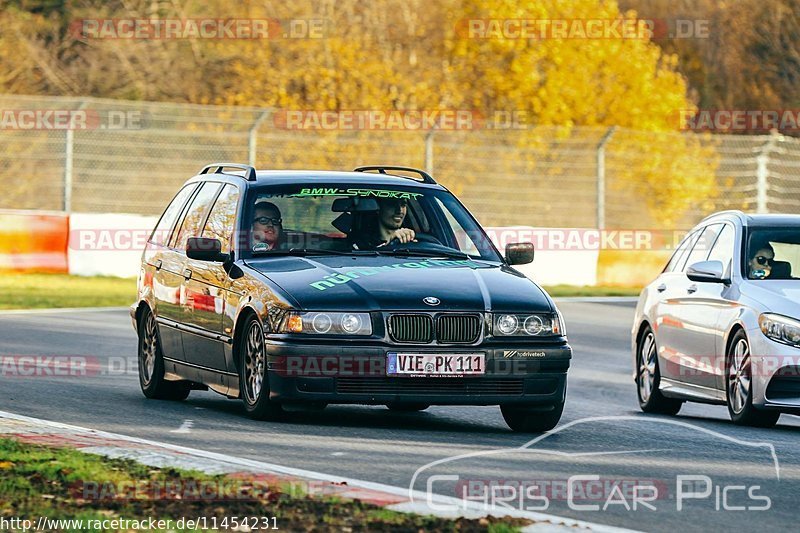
[33, 241]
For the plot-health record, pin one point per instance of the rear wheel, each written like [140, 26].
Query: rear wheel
[739, 387]
[407, 407]
[648, 378]
[151, 364]
[253, 376]
[528, 419]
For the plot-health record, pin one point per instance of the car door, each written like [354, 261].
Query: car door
[694, 311]
[194, 344]
[667, 286]
[162, 271]
[206, 284]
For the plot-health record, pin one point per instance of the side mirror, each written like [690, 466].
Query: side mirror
[205, 249]
[519, 253]
[709, 271]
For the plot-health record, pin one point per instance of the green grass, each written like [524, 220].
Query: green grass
[50, 482]
[44, 291]
[572, 290]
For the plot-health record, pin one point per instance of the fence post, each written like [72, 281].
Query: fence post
[601, 177]
[762, 173]
[251, 139]
[69, 147]
[429, 150]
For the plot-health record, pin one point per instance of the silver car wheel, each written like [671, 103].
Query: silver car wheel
[254, 362]
[149, 348]
[739, 376]
[647, 366]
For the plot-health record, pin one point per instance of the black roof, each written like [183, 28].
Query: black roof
[772, 220]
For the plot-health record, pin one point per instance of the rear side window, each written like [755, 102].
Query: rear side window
[222, 217]
[164, 227]
[196, 214]
[680, 252]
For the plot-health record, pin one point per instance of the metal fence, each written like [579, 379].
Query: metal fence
[132, 156]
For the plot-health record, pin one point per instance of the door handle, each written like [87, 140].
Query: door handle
[158, 264]
[661, 288]
[187, 274]
[691, 289]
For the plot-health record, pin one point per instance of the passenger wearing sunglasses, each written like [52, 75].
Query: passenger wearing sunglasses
[267, 227]
[760, 266]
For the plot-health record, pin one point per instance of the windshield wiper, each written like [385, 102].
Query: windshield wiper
[314, 251]
[454, 254]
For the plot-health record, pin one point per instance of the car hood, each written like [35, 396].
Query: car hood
[372, 283]
[776, 296]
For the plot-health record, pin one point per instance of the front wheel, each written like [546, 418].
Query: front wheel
[526, 419]
[151, 365]
[739, 387]
[253, 376]
[648, 378]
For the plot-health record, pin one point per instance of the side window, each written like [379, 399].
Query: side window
[703, 245]
[164, 227]
[723, 248]
[222, 217]
[196, 214]
[680, 252]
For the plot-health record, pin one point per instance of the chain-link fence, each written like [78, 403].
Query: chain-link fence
[130, 157]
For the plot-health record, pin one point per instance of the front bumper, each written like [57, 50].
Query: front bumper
[776, 373]
[518, 374]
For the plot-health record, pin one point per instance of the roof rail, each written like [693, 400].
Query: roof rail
[249, 172]
[426, 178]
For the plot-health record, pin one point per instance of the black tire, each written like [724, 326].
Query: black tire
[527, 419]
[648, 378]
[407, 407]
[151, 364]
[739, 386]
[253, 375]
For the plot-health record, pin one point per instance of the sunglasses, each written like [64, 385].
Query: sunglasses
[269, 221]
[763, 260]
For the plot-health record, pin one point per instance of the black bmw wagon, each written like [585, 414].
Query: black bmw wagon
[309, 288]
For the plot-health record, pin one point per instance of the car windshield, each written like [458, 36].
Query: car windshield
[362, 219]
[773, 253]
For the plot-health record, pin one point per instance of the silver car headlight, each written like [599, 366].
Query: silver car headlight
[527, 325]
[780, 328]
[323, 323]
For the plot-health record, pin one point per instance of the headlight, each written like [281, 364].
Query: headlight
[321, 323]
[780, 328]
[527, 325]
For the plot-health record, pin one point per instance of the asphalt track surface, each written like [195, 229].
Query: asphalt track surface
[625, 448]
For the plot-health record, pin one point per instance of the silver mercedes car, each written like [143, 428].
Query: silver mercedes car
[721, 323]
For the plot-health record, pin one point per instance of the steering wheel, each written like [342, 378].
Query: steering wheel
[419, 237]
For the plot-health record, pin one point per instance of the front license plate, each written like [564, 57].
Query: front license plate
[435, 364]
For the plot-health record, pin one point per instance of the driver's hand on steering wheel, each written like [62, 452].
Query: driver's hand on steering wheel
[403, 235]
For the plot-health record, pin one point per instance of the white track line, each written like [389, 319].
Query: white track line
[469, 509]
[60, 310]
